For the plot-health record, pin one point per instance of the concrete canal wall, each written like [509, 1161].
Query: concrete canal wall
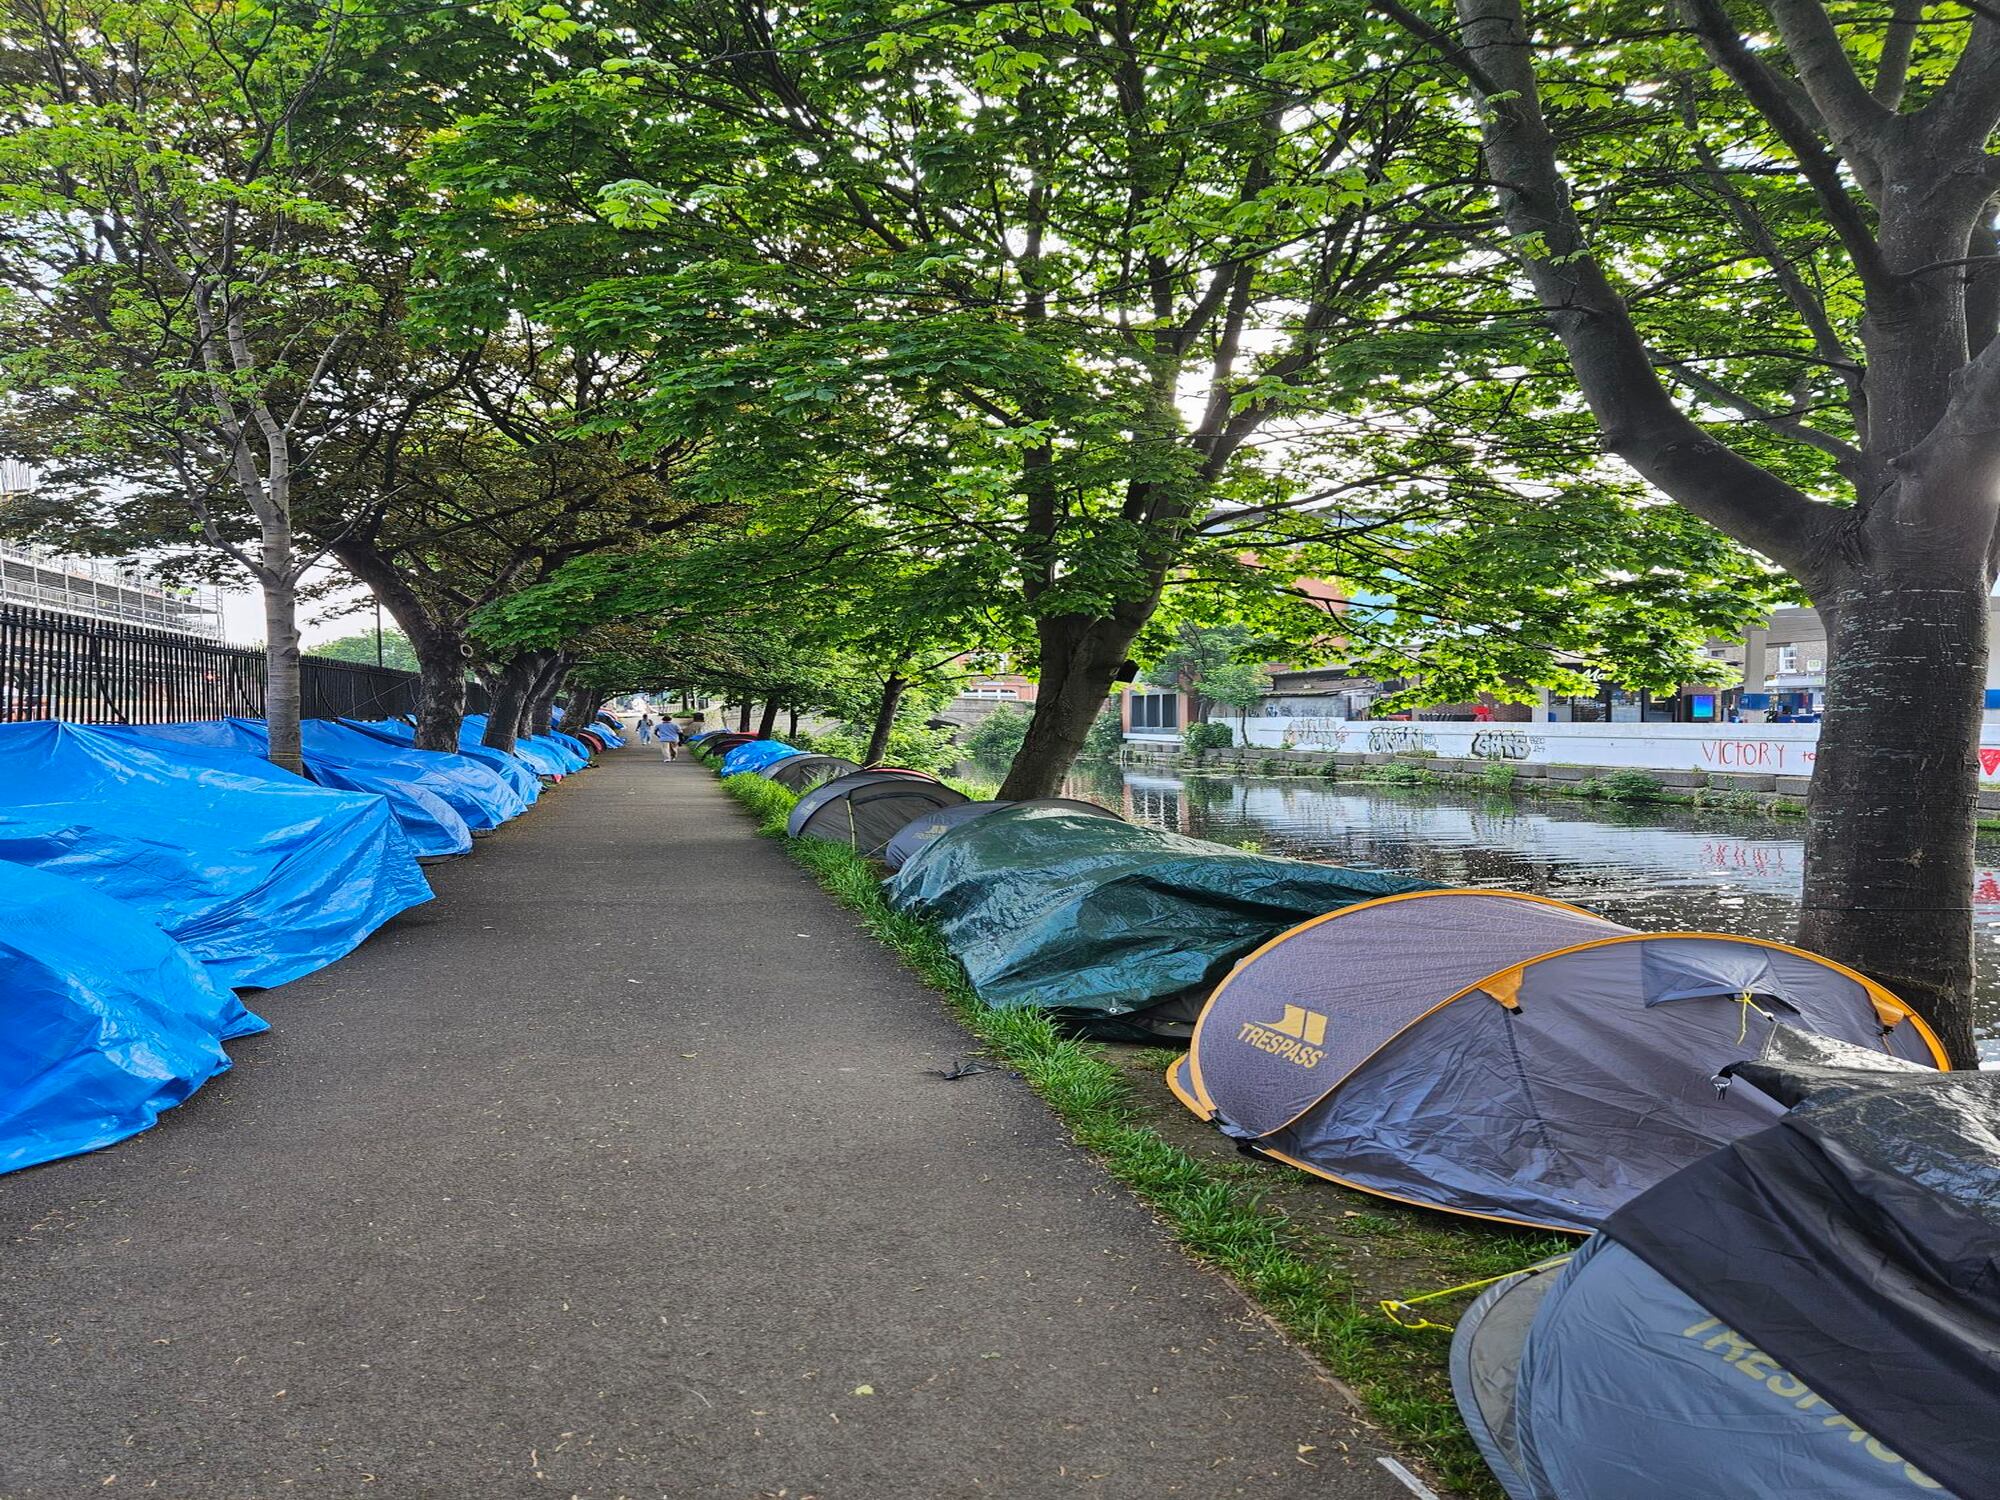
[1770, 762]
[1760, 752]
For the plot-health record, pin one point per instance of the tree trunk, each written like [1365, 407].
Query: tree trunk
[510, 699]
[538, 717]
[768, 725]
[885, 719]
[1080, 659]
[791, 724]
[441, 659]
[1895, 788]
[282, 695]
[743, 718]
[580, 712]
[439, 642]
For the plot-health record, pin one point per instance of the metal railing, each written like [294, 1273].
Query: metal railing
[59, 666]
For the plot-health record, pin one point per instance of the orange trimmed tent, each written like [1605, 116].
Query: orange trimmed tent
[1509, 1056]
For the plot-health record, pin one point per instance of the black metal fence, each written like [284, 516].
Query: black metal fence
[96, 672]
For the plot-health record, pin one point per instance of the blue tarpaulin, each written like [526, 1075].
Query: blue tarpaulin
[756, 755]
[517, 773]
[104, 1020]
[262, 877]
[477, 792]
[431, 824]
[539, 751]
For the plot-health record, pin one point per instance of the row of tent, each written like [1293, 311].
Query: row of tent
[1792, 1280]
[150, 871]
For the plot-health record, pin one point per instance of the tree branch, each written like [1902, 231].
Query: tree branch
[1638, 417]
[1821, 169]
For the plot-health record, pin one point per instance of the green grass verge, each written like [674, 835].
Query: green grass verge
[1310, 1282]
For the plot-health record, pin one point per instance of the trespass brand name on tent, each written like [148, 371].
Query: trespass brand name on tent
[1298, 1036]
[1739, 1353]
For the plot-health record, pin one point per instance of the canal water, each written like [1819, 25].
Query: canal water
[1653, 868]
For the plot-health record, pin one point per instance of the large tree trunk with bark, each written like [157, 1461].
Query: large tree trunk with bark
[885, 719]
[1895, 787]
[539, 715]
[510, 700]
[581, 709]
[1080, 659]
[767, 726]
[282, 692]
[441, 660]
[442, 651]
[743, 718]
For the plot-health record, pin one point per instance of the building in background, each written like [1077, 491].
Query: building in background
[120, 590]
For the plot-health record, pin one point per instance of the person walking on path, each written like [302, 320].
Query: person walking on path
[669, 736]
[645, 728]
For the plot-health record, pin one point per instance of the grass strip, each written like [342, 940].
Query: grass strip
[1217, 1211]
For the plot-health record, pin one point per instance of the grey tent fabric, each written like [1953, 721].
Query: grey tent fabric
[801, 773]
[1811, 1311]
[1604, 1381]
[866, 809]
[1376, 969]
[1549, 1089]
[921, 832]
[1486, 1368]
[1856, 1242]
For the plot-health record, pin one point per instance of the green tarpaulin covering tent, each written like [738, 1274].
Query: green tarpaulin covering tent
[1113, 928]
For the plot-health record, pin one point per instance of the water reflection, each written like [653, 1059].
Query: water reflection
[1650, 868]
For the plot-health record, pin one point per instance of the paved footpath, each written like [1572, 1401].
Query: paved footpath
[620, 1170]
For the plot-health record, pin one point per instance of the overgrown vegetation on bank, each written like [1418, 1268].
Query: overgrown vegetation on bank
[1317, 1258]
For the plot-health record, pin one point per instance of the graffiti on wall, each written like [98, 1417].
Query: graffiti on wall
[1509, 744]
[1391, 739]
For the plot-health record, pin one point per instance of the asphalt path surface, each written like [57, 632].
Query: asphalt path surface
[624, 1169]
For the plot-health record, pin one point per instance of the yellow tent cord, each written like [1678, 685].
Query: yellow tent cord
[1394, 1305]
[1743, 1028]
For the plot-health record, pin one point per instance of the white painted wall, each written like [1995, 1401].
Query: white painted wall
[1766, 749]
[1770, 749]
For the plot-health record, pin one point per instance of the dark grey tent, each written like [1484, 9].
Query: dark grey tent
[1811, 1311]
[1111, 928]
[1509, 1056]
[801, 773]
[866, 809]
[921, 832]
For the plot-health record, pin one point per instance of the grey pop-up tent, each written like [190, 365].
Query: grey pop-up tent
[801, 773]
[867, 808]
[920, 833]
[1813, 1310]
[1509, 1056]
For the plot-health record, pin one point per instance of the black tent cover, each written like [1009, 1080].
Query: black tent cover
[1857, 1241]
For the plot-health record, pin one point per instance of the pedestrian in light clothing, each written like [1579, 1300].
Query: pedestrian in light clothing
[669, 736]
[645, 728]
